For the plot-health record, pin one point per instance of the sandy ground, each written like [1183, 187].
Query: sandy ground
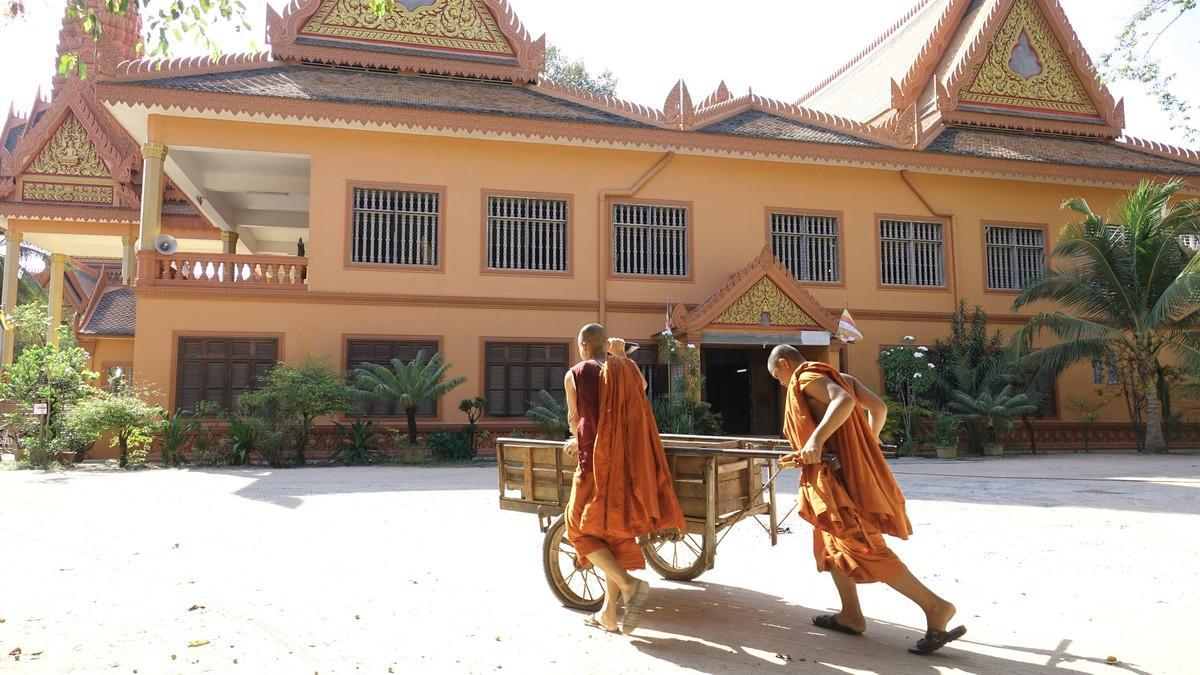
[1055, 564]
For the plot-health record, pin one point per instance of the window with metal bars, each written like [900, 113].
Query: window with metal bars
[395, 227]
[911, 253]
[808, 245]
[1015, 256]
[525, 233]
[650, 240]
[1105, 371]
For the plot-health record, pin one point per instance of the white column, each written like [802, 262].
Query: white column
[126, 259]
[57, 263]
[8, 297]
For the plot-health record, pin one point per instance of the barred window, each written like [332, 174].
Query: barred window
[382, 352]
[527, 234]
[808, 245]
[1104, 371]
[516, 372]
[650, 240]
[395, 227]
[911, 253]
[1015, 256]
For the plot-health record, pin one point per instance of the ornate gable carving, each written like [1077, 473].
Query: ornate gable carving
[764, 305]
[69, 152]
[764, 286]
[1027, 69]
[463, 25]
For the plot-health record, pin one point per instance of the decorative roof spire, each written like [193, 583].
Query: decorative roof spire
[120, 36]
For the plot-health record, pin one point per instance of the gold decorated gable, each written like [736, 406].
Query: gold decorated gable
[461, 25]
[1027, 69]
[62, 192]
[69, 153]
[765, 298]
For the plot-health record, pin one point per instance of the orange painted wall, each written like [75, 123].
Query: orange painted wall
[729, 200]
[107, 352]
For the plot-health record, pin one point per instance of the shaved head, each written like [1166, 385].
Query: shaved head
[592, 338]
[783, 362]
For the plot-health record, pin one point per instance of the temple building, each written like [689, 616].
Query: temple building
[368, 187]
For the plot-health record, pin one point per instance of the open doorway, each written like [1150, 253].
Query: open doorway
[739, 386]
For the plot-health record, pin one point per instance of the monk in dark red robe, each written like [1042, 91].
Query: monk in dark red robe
[623, 488]
[848, 493]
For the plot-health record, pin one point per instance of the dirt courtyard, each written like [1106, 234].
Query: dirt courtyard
[1055, 563]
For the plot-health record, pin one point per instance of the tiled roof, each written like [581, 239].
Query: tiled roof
[1055, 150]
[115, 313]
[758, 124]
[863, 89]
[317, 83]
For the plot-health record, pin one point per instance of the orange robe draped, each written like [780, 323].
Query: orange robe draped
[851, 515]
[629, 492]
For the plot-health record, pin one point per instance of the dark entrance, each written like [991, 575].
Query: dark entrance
[739, 387]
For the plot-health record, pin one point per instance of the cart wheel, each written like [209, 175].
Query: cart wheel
[679, 557]
[576, 586]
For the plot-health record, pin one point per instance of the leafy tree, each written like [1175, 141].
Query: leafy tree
[1131, 288]
[131, 421]
[407, 385]
[561, 69]
[1133, 59]
[970, 343]
[908, 376]
[549, 414]
[291, 397]
[474, 409]
[56, 376]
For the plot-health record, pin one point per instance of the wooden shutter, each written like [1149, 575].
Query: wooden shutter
[219, 369]
[382, 352]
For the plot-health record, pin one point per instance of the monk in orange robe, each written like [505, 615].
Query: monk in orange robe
[623, 487]
[848, 493]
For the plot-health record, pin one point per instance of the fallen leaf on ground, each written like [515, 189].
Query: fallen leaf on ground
[172, 657]
[195, 607]
[355, 617]
[16, 653]
[783, 657]
[176, 545]
[235, 662]
[35, 655]
[1111, 659]
[197, 643]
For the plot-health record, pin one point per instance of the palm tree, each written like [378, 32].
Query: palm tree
[407, 385]
[31, 261]
[1130, 288]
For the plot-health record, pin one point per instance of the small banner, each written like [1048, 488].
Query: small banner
[847, 330]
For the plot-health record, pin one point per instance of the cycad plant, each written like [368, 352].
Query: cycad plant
[549, 414]
[406, 385]
[990, 401]
[1130, 287]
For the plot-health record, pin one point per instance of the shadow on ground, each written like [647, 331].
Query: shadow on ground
[717, 628]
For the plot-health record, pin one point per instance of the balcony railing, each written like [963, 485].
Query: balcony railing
[222, 270]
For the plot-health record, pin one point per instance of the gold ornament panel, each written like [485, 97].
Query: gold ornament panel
[69, 153]
[464, 25]
[765, 297]
[1026, 68]
[63, 192]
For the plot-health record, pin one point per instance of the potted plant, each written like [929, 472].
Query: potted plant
[946, 428]
[406, 386]
[410, 451]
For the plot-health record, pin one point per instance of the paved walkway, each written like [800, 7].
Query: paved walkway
[1055, 563]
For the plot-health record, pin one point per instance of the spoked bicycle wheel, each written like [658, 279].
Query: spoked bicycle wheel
[678, 556]
[576, 586]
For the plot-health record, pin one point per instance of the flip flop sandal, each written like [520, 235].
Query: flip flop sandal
[935, 640]
[592, 621]
[633, 609]
[829, 622]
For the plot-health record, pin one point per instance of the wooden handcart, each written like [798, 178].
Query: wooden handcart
[720, 481]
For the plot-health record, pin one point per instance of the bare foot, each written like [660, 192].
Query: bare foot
[858, 623]
[939, 617]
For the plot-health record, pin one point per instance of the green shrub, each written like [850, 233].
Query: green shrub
[52, 375]
[450, 446]
[682, 415]
[176, 430]
[360, 444]
[287, 402]
[131, 421]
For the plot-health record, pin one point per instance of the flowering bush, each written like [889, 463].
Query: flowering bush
[908, 376]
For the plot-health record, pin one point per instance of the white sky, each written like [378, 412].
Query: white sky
[780, 47]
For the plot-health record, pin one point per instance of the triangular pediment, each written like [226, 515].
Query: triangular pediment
[458, 25]
[69, 152]
[473, 38]
[762, 295]
[1026, 70]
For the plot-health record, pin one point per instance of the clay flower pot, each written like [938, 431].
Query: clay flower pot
[412, 454]
[993, 450]
[947, 452]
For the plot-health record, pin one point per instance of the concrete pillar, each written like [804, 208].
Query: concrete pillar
[8, 297]
[57, 263]
[153, 155]
[126, 259]
[229, 241]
